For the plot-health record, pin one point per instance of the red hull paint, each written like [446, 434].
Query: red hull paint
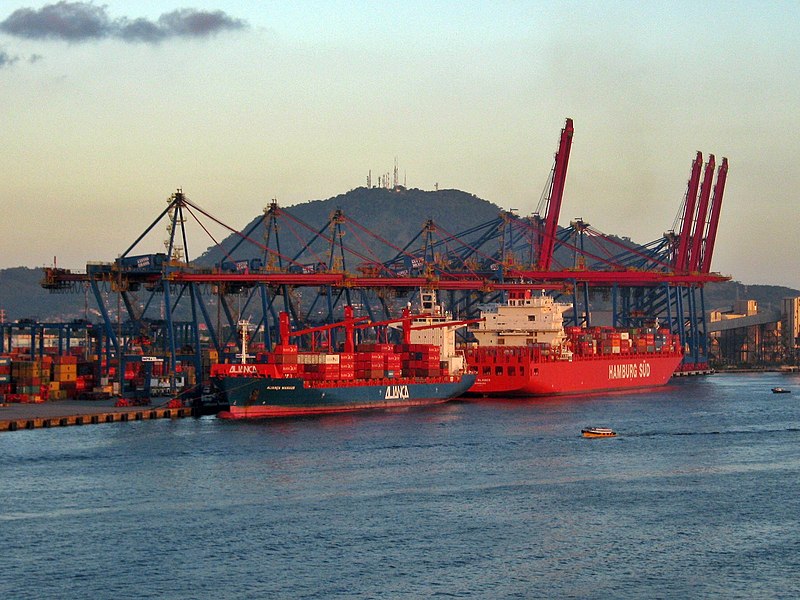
[261, 412]
[580, 375]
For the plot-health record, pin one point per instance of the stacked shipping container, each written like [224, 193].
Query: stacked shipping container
[606, 340]
[59, 377]
[369, 362]
[65, 377]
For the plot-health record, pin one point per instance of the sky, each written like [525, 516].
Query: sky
[108, 108]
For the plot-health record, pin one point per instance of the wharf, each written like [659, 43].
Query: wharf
[693, 373]
[80, 412]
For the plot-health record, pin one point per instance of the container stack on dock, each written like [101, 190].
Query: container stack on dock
[31, 380]
[5, 376]
[51, 377]
[208, 358]
[65, 377]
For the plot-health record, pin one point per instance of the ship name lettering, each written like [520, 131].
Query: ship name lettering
[396, 392]
[242, 369]
[629, 370]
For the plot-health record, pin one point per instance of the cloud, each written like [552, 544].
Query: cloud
[85, 21]
[192, 23]
[6, 60]
[71, 21]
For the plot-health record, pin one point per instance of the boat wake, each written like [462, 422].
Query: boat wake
[714, 432]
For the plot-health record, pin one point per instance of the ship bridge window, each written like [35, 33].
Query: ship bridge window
[487, 370]
[512, 370]
[498, 370]
[531, 317]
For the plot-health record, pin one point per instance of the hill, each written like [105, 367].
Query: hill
[22, 297]
[722, 295]
[395, 215]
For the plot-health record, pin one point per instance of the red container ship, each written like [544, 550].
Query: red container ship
[424, 369]
[523, 349]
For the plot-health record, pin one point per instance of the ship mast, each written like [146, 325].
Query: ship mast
[244, 325]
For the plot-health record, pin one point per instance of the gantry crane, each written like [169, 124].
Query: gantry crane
[169, 299]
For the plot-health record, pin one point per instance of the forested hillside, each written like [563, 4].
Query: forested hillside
[22, 297]
[394, 215]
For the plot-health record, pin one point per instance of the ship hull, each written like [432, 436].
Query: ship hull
[580, 375]
[258, 397]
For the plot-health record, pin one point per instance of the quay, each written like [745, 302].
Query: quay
[693, 372]
[14, 417]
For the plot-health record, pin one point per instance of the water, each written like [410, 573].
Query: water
[696, 497]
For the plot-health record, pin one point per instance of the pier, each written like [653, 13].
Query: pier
[14, 417]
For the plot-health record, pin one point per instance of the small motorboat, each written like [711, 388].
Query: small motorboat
[780, 390]
[595, 432]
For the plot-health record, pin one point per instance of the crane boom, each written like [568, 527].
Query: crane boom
[702, 214]
[556, 195]
[713, 222]
[681, 258]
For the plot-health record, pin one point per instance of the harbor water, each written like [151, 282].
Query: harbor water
[696, 497]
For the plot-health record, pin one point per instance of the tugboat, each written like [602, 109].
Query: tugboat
[780, 390]
[598, 432]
